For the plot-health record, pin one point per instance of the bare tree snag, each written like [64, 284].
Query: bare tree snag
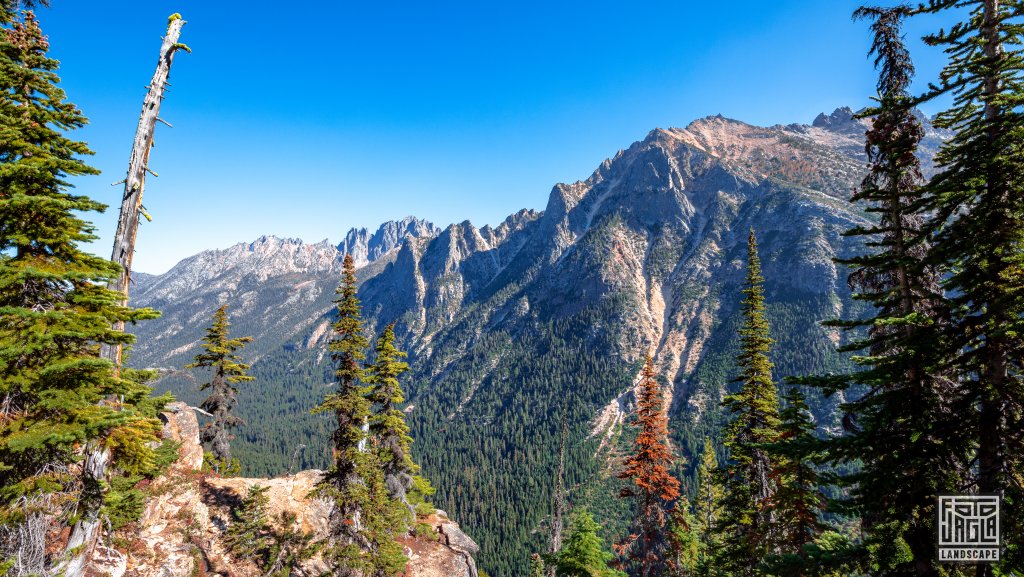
[558, 495]
[84, 535]
[138, 166]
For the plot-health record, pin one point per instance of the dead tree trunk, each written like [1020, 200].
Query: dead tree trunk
[84, 534]
[558, 497]
[135, 181]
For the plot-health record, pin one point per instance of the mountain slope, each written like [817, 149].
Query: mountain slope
[551, 311]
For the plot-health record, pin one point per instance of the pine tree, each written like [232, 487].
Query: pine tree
[904, 445]
[652, 487]
[383, 518]
[387, 422]
[748, 519]
[798, 501]
[708, 511]
[344, 483]
[289, 547]
[537, 566]
[683, 540]
[220, 357]
[55, 312]
[584, 553]
[976, 208]
[248, 537]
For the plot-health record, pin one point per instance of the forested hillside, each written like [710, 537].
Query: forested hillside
[506, 324]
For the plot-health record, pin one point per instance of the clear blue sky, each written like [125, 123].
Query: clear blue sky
[306, 119]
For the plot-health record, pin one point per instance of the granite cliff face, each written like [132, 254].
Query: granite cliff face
[187, 513]
[553, 310]
[366, 248]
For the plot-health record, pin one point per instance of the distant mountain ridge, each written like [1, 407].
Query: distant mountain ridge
[550, 311]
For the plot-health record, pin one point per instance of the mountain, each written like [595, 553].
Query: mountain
[276, 287]
[366, 248]
[552, 311]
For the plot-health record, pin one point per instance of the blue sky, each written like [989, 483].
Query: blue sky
[305, 120]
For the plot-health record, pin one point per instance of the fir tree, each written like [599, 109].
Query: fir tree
[55, 312]
[383, 518]
[652, 487]
[387, 423]
[220, 358]
[248, 537]
[344, 483]
[798, 499]
[748, 519]
[683, 541]
[584, 553]
[904, 445]
[289, 547]
[976, 209]
[537, 565]
[708, 511]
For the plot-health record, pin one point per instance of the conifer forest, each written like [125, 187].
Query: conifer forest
[792, 350]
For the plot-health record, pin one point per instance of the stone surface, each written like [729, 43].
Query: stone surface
[186, 514]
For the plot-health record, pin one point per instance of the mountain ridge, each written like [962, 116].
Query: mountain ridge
[551, 310]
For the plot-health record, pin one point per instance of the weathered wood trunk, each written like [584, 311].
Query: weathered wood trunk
[135, 181]
[85, 533]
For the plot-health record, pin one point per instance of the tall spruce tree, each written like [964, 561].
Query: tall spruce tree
[387, 421]
[344, 483]
[707, 511]
[54, 313]
[904, 444]
[227, 370]
[748, 520]
[683, 540]
[651, 485]
[976, 205]
[798, 500]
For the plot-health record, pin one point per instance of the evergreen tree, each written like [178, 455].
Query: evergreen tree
[683, 540]
[383, 518]
[248, 537]
[748, 519]
[798, 499]
[904, 445]
[220, 358]
[55, 312]
[584, 553]
[289, 547]
[344, 483]
[652, 487]
[708, 511]
[537, 565]
[976, 209]
[387, 423]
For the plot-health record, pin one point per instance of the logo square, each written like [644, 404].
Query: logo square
[968, 528]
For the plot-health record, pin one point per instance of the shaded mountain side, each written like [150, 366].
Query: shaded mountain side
[506, 326]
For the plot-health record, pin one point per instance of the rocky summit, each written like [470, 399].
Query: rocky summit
[551, 311]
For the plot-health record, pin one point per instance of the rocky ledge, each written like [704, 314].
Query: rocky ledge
[187, 513]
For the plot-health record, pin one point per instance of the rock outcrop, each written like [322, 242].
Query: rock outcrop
[186, 514]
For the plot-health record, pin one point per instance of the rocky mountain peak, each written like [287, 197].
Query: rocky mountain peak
[840, 117]
[366, 247]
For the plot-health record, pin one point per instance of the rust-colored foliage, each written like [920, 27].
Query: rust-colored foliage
[651, 484]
